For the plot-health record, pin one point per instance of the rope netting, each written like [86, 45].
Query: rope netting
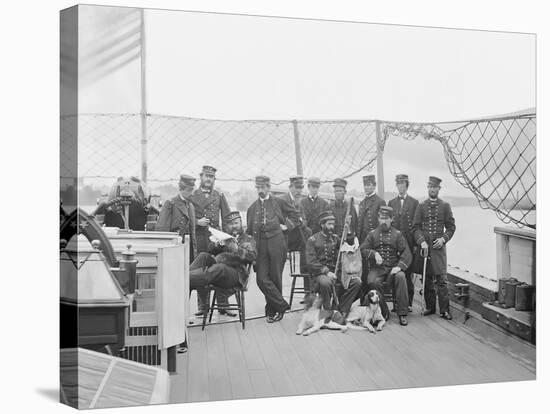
[494, 157]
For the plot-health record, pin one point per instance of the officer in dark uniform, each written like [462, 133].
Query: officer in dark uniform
[368, 208]
[210, 209]
[178, 213]
[322, 253]
[339, 208]
[266, 220]
[404, 207]
[313, 205]
[228, 264]
[433, 227]
[296, 237]
[389, 256]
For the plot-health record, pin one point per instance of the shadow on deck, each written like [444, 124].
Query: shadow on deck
[226, 362]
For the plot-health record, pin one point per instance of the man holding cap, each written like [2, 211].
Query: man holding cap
[388, 253]
[322, 254]
[339, 207]
[210, 209]
[178, 213]
[267, 218]
[404, 207]
[433, 227]
[368, 208]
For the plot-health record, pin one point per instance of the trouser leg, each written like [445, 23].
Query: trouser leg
[398, 282]
[323, 285]
[442, 293]
[346, 297]
[270, 261]
[203, 260]
[429, 290]
[410, 285]
[277, 249]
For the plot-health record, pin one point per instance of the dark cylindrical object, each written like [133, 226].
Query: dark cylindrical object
[128, 263]
[525, 297]
[502, 289]
[510, 293]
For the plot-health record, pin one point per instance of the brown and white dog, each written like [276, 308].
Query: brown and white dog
[314, 318]
[368, 316]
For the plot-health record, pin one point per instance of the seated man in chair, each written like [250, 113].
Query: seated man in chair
[322, 251]
[227, 266]
[389, 256]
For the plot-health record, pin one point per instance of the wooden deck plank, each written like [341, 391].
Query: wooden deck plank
[317, 372]
[280, 378]
[295, 368]
[239, 378]
[218, 375]
[197, 375]
[270, 360]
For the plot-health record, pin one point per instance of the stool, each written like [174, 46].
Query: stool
[294, 289]
[239, 306]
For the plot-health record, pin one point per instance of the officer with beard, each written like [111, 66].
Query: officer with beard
[227, 266]
[368, 208]
[433, 227]
[210, 209]
[389, 256]
[322, 253]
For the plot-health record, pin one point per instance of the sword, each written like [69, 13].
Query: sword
[425, 256]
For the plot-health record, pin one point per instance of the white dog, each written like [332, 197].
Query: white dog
[369, 316]
[312, 318]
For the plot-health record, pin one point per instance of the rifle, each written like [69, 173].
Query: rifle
[344, 233]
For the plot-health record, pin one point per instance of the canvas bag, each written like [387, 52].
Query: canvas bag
[352, 264]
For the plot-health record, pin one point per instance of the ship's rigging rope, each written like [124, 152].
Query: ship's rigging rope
[495, 158]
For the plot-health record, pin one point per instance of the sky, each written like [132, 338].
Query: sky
[243, 67]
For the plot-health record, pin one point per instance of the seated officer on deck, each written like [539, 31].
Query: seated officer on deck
[227, 266]
[389, 256]
[322, 253]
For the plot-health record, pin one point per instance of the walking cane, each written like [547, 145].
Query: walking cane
[425, 256]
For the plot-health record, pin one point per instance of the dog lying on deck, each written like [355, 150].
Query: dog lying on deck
[368, 316]
[314, 318]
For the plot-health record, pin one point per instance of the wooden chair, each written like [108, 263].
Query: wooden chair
[295, 275]
[238, 291]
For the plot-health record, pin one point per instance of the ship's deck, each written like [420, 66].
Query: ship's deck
[226, 362]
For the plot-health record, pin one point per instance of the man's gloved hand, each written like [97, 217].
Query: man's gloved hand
[283, 227]
[378, 258]
[203, 221]
[438, 243]
[324, 270]
[395, 269]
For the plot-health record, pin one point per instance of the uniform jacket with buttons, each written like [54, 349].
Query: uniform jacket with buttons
[311, 210]
[277, 211]
[210, 205]
[295, 239]
[322, 250]
[339, 209]
[368, 215]
[434, 219]
[403, 217]
[391, 245]
[178, 215]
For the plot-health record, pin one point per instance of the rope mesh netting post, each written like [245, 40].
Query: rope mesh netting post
[495, 158]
